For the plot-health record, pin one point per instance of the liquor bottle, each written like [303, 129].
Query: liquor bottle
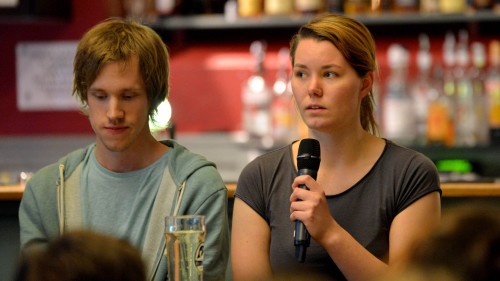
[353, 7]
[278, 7]
[250, 8]
[439, 113]
[282, 106]
[477, 75]
[310, 6]
[465, 119]
[482, 4]
[448, 82]
[493, 92]
[429, 6]
[256, 98]
[452, 6]
[397, 109]
[404, 6]
[423, 88]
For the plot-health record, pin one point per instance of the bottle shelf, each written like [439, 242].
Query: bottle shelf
[218, 21]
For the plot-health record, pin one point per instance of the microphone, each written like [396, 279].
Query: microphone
[308, 160]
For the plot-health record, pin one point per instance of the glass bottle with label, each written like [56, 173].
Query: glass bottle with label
[310, 6]
[439, 113]
[282, 107]
[452, 6]
[354, 7]
[423, 88]
[402, 6]
[448, 82]
[256, 97]
[250, 8]
[397, 109]
[465, 119]
[278, 7]
[477, 74]
[493, 91]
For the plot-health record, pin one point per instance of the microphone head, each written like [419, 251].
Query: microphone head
[309, 154]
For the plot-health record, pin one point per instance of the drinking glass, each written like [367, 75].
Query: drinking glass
[185, 238]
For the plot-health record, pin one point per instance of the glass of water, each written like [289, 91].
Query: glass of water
[185, 237]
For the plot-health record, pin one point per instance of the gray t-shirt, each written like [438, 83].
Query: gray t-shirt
[366, 210]
[120, 204]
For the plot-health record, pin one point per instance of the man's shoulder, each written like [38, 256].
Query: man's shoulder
[51, 173]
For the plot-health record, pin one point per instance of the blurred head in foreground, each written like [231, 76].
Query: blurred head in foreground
[83, 255]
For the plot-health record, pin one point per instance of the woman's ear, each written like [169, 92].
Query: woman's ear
[367, 84]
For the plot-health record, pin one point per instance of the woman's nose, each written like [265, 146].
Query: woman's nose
[315, 86]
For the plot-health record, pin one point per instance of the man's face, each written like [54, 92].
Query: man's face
[118, 106]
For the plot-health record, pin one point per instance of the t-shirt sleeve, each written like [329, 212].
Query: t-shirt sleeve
[250, 186]
[420, 179]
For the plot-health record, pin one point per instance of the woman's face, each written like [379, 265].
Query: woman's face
[327, 89]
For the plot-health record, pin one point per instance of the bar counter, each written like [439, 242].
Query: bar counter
[462, 189]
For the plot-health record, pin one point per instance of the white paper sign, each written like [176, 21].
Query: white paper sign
[44, 75]
[8, 3]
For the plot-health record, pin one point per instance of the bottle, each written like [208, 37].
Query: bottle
[278, 7]
[482, 4]
[404, 6]
[439, 113]
[397, 109]
[282, 107]
[465, 119]
[310, 6]
[250, 8]
[448, 82]
[353, 7]
[166, 7]
[492, 84]
[423, 88]
[477, 75]
[429, 6]
[256, 97]
[335, 6]
[452, 6]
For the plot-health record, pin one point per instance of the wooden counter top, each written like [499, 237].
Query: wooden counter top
[463, 189]
[11, 192]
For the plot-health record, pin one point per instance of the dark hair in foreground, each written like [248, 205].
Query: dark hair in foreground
[466, 247]
[82, 256]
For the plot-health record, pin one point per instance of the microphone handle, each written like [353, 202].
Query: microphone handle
[302, 238]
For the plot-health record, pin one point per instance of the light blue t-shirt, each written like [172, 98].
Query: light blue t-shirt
[120, 204]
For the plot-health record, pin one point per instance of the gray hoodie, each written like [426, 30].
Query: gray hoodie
[190, 185]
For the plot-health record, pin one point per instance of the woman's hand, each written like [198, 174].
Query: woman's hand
[310, 207]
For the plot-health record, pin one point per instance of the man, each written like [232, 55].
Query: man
[126, 182]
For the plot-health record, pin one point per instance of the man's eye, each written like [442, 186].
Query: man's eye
[128, 96]
[99, 95]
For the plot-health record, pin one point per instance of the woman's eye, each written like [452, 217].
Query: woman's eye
[330, 75]
[299, 74]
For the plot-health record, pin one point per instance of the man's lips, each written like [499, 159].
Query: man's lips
[115, 129]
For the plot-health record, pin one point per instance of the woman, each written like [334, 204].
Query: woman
[372, 198]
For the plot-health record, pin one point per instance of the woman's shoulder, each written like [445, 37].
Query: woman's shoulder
[272, 157]
[404, 157]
